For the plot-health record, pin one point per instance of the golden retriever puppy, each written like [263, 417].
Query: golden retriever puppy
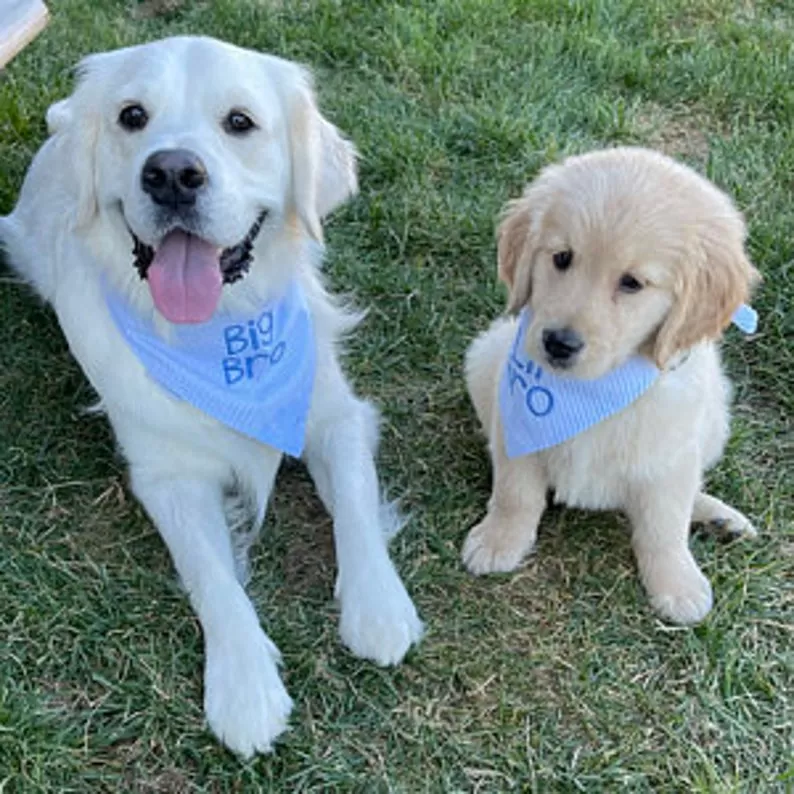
[624, 268]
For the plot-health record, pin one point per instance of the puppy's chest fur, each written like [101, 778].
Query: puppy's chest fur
[598, 468]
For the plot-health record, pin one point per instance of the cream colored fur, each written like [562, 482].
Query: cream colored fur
[620, 211]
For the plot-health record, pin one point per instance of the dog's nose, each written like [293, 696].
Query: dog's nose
[173, 177]
[562, 344]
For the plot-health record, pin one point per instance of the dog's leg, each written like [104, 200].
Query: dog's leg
[710, 510]
[660, 510]
[378, 620]
[244, 699]
[518, 498]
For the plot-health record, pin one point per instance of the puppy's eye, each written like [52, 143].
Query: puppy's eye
[629, 284]
[133, 117]
[562, 259]
[238, 123]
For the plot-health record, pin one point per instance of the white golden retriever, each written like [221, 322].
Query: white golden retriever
[214, 164]
[615, 255]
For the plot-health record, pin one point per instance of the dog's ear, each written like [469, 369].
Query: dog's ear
[716, 279]
[74, 124]
[323, 162]
[515, 251]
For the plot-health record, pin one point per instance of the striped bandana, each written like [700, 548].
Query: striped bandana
[540, 409]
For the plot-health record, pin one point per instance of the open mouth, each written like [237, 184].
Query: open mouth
[186, 274]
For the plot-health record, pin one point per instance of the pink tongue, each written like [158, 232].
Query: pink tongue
[185, 278]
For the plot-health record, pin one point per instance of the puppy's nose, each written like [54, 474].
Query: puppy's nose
[173, 177]
[562, 344]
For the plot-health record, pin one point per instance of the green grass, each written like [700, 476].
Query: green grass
[557, 678]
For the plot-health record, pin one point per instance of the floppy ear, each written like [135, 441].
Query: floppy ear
[323, 162]
[715, 280]
[515, 250]
[74, 124]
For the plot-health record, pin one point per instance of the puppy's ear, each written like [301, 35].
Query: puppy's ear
[74, 124]
[323, 162]
[715, 280]
[515, 249]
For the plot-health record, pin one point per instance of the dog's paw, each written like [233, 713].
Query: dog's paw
[378, 620]
[721, 517]
[497, 545]
[734, 524]
[679, 592]
[245, 701]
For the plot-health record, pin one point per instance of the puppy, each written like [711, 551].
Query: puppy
[625, 267]
[173, 221]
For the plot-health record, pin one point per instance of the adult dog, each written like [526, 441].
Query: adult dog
[185, 181]
[620, 261]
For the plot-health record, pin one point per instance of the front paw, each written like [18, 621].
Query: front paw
[678, 591]
[245, 701]
[378, 619]
[498, 544]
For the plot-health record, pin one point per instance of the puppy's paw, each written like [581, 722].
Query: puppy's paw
[379, 621]
[245, 701]
[679, 592]
[497, 545]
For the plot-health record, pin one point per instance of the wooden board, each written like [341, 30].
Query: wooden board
[20, 22]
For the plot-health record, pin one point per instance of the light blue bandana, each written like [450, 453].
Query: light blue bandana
[540, 410]
[253, 373]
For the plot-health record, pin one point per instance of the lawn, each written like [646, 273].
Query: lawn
[557, 678]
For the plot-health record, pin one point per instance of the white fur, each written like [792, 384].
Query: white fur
[68, 230]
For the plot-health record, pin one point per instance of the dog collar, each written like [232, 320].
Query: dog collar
[253, 372]
[540, 410]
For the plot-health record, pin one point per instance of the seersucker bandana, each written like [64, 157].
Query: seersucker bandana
[254, 373]
[540, 410]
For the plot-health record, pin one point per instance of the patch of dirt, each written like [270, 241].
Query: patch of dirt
[309, 561]
[680, 133]
[169, 781]
[787, 549]
[147, 9]
[144, 774]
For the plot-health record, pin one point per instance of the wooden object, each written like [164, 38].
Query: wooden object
[20, 22]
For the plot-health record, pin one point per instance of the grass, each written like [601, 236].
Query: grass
[557, 678]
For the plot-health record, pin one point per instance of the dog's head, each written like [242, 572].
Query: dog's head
[194, 151]
[619, 252]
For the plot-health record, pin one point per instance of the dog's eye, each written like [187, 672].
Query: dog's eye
[238, 123]
[562, 259]
[629, 284]
[133, 117]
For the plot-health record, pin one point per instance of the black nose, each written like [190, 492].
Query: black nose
[173, 177]
[562, 344]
